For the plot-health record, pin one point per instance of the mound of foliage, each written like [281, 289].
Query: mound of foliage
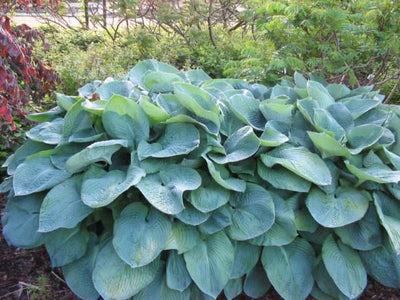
[173, 185]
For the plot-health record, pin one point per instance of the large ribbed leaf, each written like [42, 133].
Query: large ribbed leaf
[140, 234]
[289, 268]
[221, 175]
[388, 211]
[20, 221]
[75, 121]
[246, 257]
[114, 279]
[272, 137]
[100, 188]
[37, 174]
[218, 220]
[253, 213]
[182, 237]
[277, 111]
[124, 119]
[379, 173]
[281, 178]
[47, 132]
[165, 191]
[300, 161]
[358, 106]
[209, 197]
[111, 87]
[319, 93]
[327, 145]
[240, 145]
[62, 207]
[364, 136]
[283, 230]
[346, 206]
[246, 109]
[99, 151]
[210, 262]
[178, 139]
[78, 274]
[160, 82]
[233, 288]
[364, 234]
[383, 264]
[66, 245]
[178, 277]
[344, 266]
[324, 122]
[256, 283]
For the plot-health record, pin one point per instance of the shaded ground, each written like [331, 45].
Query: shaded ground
[27, 275]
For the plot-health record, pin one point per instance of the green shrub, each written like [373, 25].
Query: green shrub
[171, 185]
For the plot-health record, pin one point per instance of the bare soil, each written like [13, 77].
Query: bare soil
[28, 275]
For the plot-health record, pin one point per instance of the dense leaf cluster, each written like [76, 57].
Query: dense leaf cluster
[172, 185]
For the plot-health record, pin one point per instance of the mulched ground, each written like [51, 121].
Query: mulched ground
[27, 275]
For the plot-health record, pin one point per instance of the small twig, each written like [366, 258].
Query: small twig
[387, 100]
[58, 277]
[29, 285]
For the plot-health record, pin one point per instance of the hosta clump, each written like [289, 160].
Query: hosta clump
[171, 185]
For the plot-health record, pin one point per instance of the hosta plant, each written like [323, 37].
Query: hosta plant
[172, 185]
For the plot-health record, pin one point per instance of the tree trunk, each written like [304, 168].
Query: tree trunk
[86, 9]
[105, 13]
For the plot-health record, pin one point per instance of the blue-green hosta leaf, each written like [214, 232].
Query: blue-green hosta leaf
[324, 122]
[209, 197]
[124, 119]
[289, 268]
[383, 264]
[6, 186]
[165, 191]
[94, 107]
[114, 279]
[115, 87]
[210, 262]
[377, 173]
[137, 73]
[100, 188]
[253, 213]
[98, 151]
[246, 109]
[307, 107]
[281, 178]
[300, 80]
[66, 245]
[154, 113]
[197, 76]
[64, 101]
[325, 283]
[140, 234]
[362, 235]
[218, 220]
[388, 211]
[27, 149]
[393, 158]
[76, 120]
[178, 277]
[338, 90]
[159, 289]
[319, 93]
[182, 237]
[378, 116]
[78, 274]
[246, 257]
[304, 221]
[285, 91]
[62, 207]
[192, 216]
[277, 111]
[300, 161]
[160, 82]
[178, 139]
[20, 221]
[233, 288]
[221, 175]
[346, 206]
[272, 137]
[342, 115]
[327, 145]
[63, 152]
[197, 101]
[240, 145]
[344, 267]
[46, 115]
[256, 283]
[283, 230]
[37, 174]
[358, 106]
[47, 132]
[364, 136]
[229, 123]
